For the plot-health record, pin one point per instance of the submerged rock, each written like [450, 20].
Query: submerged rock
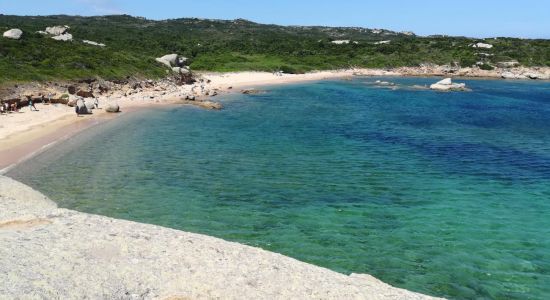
[13, 34]
[448, 85]
[209, 105]
[251, 92]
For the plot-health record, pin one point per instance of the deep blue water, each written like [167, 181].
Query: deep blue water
[442, 193]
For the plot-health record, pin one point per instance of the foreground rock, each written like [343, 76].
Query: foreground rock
[52, 253]
[13, 34]
[448, 85]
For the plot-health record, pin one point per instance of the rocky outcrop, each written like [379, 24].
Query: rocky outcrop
[172, 60]
[93, 43]
[13, 34]
[344, 42]
[66, 37]
[178, 66]
[112, 108]
[382, 42]
[482, 45]
[57, 30]
[512, 75]
[58, 33]
[448, 85]
[52, 253]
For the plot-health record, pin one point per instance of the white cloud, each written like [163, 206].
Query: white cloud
[102, 7]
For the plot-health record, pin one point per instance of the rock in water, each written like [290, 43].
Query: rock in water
[112, 108]
[14, 33]
[209, 105]
[448, 85]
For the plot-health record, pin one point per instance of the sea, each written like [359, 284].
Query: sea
[443, 193]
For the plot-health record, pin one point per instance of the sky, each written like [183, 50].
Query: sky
[472, 18]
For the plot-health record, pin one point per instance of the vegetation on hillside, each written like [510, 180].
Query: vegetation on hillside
[216, 45]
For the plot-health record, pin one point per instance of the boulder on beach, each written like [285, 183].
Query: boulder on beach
[82, 109]
[448, 85]
[89, 104]
[112, 108]
[14, 34]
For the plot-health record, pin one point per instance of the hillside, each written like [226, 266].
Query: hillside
[216, 45]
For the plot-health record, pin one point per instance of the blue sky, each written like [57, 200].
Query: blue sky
[479, 18]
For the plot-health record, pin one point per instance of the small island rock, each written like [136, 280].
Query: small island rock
[448, 85]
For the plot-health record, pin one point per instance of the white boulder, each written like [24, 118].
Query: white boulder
[382, 42]
[14, 33]
[172, 60]
[448, 85]
[175, 62]
[93, 43]
[66, 37]
[57, 30]
[482, 45]
[112, 108]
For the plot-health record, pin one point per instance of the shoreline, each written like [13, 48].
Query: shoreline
[33, 134]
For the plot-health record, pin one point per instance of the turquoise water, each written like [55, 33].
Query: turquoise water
[442, 193]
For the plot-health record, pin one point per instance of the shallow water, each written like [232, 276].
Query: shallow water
[442, 193]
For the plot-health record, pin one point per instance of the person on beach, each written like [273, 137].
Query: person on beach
[31, 104]
[1, 108]
[77, 110]
[96, 102]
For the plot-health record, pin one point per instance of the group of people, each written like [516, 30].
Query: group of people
[13, 106]
[7, 107]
